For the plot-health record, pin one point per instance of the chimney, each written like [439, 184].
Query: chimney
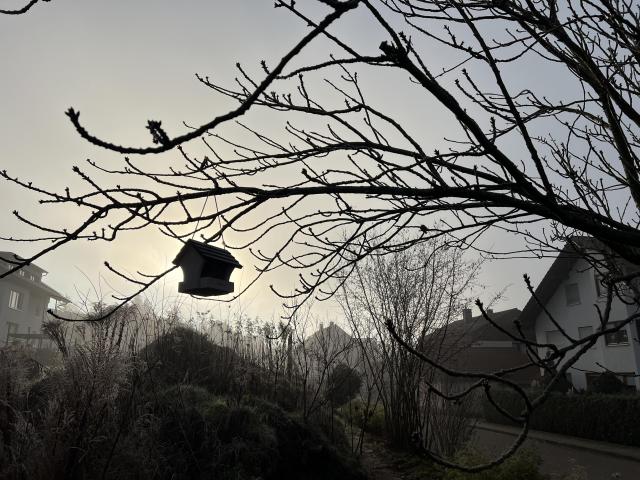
[466, 314]
[489, 311]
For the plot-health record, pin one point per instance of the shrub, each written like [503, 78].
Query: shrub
[183, 438]
[561, 385]
[371, 419]
[201, 436]
[97, 416]
[247, 446]
[184, 355]
[609, 418]
[607, 382]
[303, 452]
[331, 426]
[61, 425]
[343, 384]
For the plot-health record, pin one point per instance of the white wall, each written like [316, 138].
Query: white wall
[619, 358]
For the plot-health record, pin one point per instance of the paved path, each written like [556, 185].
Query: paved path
[561, 454]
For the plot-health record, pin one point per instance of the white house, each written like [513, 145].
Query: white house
[24, 299]
[570, 291]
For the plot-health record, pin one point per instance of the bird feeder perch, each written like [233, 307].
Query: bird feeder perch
[206, 269]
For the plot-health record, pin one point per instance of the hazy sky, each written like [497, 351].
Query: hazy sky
[122, 62]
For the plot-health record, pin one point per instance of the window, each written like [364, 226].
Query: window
[601, 288]
[16, 300]
[32, 277]
[572, 293]
[585, 332]
[616, 338]
[21, 273]
[11, 329]
[555, 337]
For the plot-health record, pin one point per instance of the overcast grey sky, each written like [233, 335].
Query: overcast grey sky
[122, 62]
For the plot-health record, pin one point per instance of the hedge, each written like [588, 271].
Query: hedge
[608, 418]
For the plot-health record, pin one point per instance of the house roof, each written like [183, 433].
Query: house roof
[573, 250]
[332, 333]
[38, 285]
[50, 291]
[478, 328]
[11, 257]
[208, 252]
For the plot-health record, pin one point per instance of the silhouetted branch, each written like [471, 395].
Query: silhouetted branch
[349, 177]
[22, 10]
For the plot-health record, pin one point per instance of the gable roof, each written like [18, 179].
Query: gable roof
[332, 333]
[208, 252]
[573, 250]
[10, 257]
[50, 291]
[478, 329]
[38, 285]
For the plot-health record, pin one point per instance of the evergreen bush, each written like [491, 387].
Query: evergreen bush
[608, 418]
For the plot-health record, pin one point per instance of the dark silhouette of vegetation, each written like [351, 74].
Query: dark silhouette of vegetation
[184, 355]
[343, 384]
[178, 408]
[556, 384]
[595, 416]
[607, 382]
[420, 291]
[525, 465]
[540, 164]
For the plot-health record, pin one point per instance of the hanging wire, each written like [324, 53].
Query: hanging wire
[204, 204]
[215, 198]
[200, 216]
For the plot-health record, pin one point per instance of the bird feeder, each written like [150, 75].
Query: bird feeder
[206, 269]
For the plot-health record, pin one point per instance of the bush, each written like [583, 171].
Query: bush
[303, 451]
[94, 418]
[343, 384]
[100, 414]
[607, 382]
[201, 436]
[561, 385]
[354, 413]
[59, 423]
[186, 356]
[609, 418]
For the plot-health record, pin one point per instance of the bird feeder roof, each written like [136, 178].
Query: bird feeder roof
[207, 252]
